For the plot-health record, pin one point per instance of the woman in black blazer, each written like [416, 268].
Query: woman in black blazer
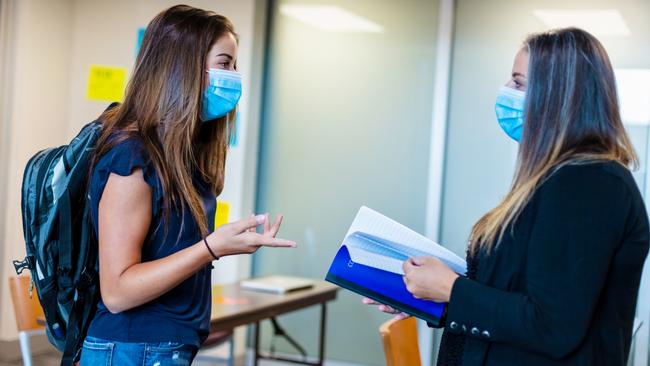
[554, 270]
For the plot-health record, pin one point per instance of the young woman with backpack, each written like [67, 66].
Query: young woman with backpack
[158, 168]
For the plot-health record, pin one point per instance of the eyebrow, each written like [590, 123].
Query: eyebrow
[225, 54]
[515, 74]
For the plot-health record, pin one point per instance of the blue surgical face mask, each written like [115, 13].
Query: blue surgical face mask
[222, 94]
[510, 111]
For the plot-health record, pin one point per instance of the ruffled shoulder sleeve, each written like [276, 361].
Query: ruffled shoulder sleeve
[122, 159]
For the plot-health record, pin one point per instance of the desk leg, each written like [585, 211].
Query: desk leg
[256, 344]
[323, 323]
[321, 346]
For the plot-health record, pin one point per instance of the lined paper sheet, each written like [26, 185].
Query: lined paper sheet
[380, 242]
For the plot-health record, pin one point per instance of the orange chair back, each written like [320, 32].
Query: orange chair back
[28, 310]
[400, 339]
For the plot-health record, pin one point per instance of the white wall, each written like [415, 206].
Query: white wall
[37, 116]
[337, 135]
[6, 53]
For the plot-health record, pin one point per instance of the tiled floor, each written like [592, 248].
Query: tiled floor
[47, 359]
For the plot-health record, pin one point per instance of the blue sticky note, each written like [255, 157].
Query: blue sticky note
[139, 41]
[234, 138]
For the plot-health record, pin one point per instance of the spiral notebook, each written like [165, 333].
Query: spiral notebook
[369, 262]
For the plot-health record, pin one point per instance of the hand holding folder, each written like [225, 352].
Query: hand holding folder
[369, 262]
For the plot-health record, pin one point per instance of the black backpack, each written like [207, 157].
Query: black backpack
[62, 251]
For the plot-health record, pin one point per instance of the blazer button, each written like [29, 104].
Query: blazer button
[475, 331]
[464, 328]
[485, 334]
[453, 326]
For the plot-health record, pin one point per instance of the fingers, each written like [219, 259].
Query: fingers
[267, 223]
[422, 261]
[251, 224]
[414, 262]
[408, 265]
[247, 224]
[276, 226]
[252, 229]
[401, 316]
[368, 301]
[387, 309]
[381, 307]
[276, 242]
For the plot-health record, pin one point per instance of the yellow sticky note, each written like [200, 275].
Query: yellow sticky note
[106, 83]
[221, 216]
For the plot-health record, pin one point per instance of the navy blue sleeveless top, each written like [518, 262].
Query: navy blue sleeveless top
[183, 313]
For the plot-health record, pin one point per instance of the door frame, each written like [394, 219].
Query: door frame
[427, 337]
[7, 47]
[640, 352]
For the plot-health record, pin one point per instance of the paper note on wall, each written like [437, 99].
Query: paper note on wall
[138, 42]
[106, 83]
[221, 216]
[234, 134]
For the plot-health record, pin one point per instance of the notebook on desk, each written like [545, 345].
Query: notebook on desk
[277, 284]
[369, 262]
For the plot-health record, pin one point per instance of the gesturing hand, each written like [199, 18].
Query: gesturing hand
[240, 237]
[428, 278]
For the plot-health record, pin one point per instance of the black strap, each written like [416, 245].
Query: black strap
[65, 277]
[78, 323]
[39, 192]
[78, 313]
[65, 240]
[89, 308]
[72, 335]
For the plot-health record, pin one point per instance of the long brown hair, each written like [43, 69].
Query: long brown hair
[571, 117]
[163, 104]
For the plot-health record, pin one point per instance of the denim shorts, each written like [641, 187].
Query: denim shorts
[100, 352]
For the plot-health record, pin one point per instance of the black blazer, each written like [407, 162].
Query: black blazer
[561, 288]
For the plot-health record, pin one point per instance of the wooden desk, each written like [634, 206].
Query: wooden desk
[233, 306]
